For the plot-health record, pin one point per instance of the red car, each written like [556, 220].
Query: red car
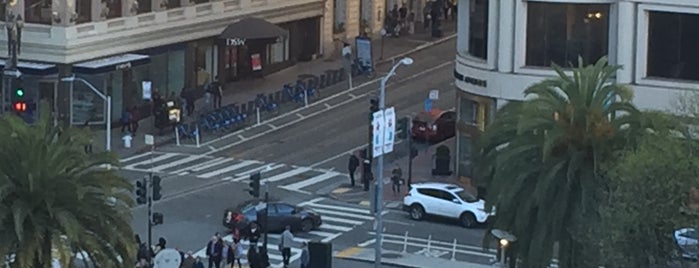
[434, 127]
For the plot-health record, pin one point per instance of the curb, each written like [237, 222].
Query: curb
[386, 263]
[419, 48]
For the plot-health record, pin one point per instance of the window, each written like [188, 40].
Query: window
[468, 111]
[444, 195]
[112, 9]
[673, 39]
[429, 192]
[83, 11]
[37, 11]
[144, 6]
[559, 33]
[478, 29]
[284, 209]
[466, 197]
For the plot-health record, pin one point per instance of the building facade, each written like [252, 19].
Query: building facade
[504, 46]
[122, 46]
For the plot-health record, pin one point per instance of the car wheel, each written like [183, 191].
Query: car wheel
[468, 220]
[306, 225]
[417, 212]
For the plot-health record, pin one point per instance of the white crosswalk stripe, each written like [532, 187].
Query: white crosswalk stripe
[345, 220]
[303, 180]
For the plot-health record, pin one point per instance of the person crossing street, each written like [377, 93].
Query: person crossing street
[352, 167]
[285, 245]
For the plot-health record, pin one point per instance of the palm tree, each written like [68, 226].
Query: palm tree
[540, 159]
[54, 196]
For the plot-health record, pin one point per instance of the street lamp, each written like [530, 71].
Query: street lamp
[505, 238]
[106, 98]
[379, 181]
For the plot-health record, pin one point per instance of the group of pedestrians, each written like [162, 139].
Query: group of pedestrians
[220, 252]
[367, 176]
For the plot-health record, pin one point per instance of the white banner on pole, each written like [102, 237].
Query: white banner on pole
[389, 129]
[377, 141]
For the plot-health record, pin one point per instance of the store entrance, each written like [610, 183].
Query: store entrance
[236, 64]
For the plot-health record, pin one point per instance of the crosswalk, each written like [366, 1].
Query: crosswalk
[304, 180]
[337, 220]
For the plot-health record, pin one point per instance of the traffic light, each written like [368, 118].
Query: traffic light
[402, 129]
[19, 105]
[141, 192]
[158, 218]
[373, 105]
[255, 184]
[156, 188]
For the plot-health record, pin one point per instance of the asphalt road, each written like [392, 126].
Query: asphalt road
[301, 156]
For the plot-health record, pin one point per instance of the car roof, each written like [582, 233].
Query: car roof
[438, 185]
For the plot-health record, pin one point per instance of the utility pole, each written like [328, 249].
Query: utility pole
[13, 27]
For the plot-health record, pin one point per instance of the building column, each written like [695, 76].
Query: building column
[462, 26]
[326, 29]
[625, 39]
[158, 5]
[378, 11]
[129, 8]
[184, 3]
[62, 12]
[506, 34]
[98, 9]
[353, 20]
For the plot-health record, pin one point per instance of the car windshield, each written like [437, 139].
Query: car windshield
[466, 196]
[690, 234]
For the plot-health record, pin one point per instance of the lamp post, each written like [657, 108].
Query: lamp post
[379, 181]
[106, 98]
[13, 28]
[505, 238]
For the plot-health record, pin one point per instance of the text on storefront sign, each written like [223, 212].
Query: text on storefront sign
[235, 41]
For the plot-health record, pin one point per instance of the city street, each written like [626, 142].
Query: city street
[302, 157]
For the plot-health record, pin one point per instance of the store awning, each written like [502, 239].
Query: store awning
[253, 28]
[112, 63]
[33, 68]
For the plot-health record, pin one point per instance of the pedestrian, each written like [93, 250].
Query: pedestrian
[217, 92]
[127, 140]
[239, 253]
[285, 245]
[352, 167]
[227, 254]
[253, 234]
[253, 257]
[188, 261]
[305, 258]
[88, 145]
[213, 251]
[133, 120]
[198, 263]
[160, 246]
[367, 176]
[125, 120]
[411, 23]
[426, 16]
[396, 179]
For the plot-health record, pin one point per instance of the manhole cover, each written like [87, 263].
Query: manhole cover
[391, 255]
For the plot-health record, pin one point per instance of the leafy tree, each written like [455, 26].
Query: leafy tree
[540, 159]
[54, 196]
[647, 189]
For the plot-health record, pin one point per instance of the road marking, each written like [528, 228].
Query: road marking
[341, 220]
[324, 234]
[341, 208]
[398, 222]
[228, 169]
[134, 157]
[330, 238]
[286, 175]
[335, 227]
[366, 243]
[241, 137]
[310, 202]
[208, 164]
[229, 145]
[262, 169]
[311, 181]
[343, 214]
[272, 126]
[178, 162]
[351, 95]
[299, 115]
[341, 190]
[350, 252]
[152, 160]
[347, 153]
[364, 203]
[328, 106]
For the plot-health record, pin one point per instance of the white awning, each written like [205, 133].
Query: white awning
[109, 61]
[31, 65]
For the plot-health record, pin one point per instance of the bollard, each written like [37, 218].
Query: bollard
[196, 135]
[453, 252]
[405, 243]
[257, 111]
[177, 136]
[429, 244]
[305, 98]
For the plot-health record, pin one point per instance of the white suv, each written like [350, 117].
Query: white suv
[445, 200]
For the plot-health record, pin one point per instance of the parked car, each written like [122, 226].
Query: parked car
[280, 215]
[687, 240]
[434, 127]
[445, 200]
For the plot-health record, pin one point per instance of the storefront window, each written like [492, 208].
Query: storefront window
[83, 11]
[559, 33]
[175, 71]
[87, 106]
[478, 29]
[37, 11]
[673, 39]
[276, 53]
[468, 111]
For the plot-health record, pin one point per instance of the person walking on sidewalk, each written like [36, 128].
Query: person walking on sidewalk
[253, 257]
[216, 92]
[213, 251]
[253, 234]
[367, 176]
[396, 179]
[125, 120]
[239, 253]
[133, 120]
[352, 167]
[285, 245]
[305, 258]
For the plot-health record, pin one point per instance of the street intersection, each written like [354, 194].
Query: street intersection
[302, 157]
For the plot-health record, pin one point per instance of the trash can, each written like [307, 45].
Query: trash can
[320, 254]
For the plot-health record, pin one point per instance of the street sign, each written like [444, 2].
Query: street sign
[146, 86]
[150, 140]
[13, 73]
[377, 141]
[434, 94]
[428, 105]
[389, 129]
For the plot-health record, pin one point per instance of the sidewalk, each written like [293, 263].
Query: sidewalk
[244, 91]
[422, 172]
[406, 260]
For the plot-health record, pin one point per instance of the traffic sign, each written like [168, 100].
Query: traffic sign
[389, 129]
[434, 94]
[377, 141]
[13, 73]
[428, 105]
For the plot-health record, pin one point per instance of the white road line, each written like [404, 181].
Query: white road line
[343, 214]
[178, 162]
[228, 169]
[241, 137]
[149, 160]
[285, 175]
[262, 169]
[330, 238]
[347, 153]
[335, 227]
[323, 234]
[341, 220]
[310, 181]
[351, 95]
[292, 122]
[211, 164]
[328, 106]
[310, 202]
[299, 115]
[205, 164]
[366, 243]
[272, 126]
[134, 157]
[353, 210]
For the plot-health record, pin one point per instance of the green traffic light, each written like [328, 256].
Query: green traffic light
[19, 92]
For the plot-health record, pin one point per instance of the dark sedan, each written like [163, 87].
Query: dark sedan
[280, 215]
[434, 127]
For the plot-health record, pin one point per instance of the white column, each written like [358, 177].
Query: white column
[128, 8]
[157, 5]
[62, 12]
[186, 3]
[96, 10]
[326, 29]
[353, 20]
[625, 40]
[462, 26]
[506, 35]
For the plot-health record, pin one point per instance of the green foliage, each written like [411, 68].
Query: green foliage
[540, 159]
[648, 187]
[53, 196]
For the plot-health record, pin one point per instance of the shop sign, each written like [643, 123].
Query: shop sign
[147, 92]
[471, 80]
[256, 62]
[123, 66]
[235, 41]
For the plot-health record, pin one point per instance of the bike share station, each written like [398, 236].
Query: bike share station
[297, 94]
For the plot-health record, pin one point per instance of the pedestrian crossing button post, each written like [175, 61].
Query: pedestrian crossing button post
[158, 218]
